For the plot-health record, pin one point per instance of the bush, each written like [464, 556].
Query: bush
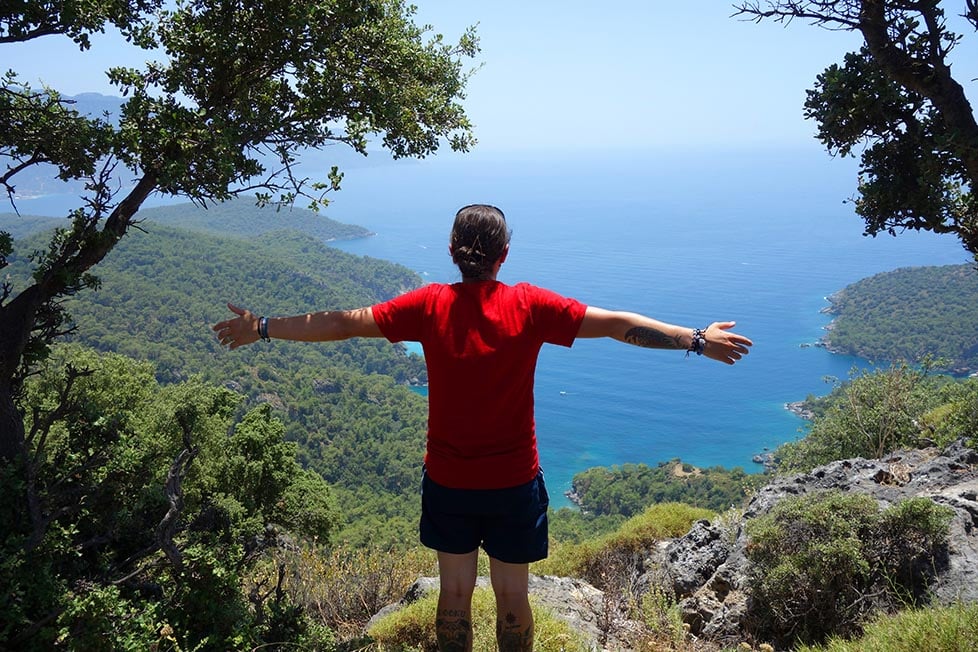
[871, 415]
[822, 563]
[956, 417]
[663, 620]
[158, 507]
[99, 616]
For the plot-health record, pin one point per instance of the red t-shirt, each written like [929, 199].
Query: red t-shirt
[481, 342]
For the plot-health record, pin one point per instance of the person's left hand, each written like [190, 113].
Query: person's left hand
[725, 346]
[237, 331]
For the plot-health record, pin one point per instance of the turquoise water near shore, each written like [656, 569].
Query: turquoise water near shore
[757, 237]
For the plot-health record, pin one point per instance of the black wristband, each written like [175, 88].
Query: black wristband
[698, 343]
[263, 329]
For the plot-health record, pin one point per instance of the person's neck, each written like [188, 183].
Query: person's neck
[478, 279]
[488, 275]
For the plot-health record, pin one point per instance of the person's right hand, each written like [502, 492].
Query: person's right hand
[237, 331]
[723, 345]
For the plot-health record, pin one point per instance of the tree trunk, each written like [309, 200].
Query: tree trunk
[17, 317]
[11, 427]
[16, 323]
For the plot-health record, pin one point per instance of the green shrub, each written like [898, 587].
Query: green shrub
[822, 563]
[663, 621]
[941, 629]
[956, 417]
[158, 506]
[871, 415]
[101, 618]
[413, 628]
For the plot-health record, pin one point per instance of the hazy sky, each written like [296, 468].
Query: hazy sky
[584, 75]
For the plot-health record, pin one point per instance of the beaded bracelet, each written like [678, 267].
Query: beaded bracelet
[698, 343]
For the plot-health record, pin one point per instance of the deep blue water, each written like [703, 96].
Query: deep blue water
[686, 237]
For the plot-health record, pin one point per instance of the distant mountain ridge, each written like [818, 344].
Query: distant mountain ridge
[241, 218]
[97, 105]
[237, 218]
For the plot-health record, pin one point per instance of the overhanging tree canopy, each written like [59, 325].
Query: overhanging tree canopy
[897, 98]
[239, 91]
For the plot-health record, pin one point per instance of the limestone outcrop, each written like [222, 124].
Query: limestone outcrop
[707, 569]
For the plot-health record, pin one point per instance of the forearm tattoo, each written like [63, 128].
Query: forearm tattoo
[453, 634]
[652, 338]
[514, 636]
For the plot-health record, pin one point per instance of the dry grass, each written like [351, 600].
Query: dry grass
[346, 586]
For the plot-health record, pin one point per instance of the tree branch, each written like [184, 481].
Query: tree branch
[932, 79]
[971, 15]
[827, 15]
[174, 493]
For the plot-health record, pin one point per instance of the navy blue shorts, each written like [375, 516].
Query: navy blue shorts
[510, 524]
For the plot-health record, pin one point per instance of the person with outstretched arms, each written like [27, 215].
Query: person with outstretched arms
[481, 482]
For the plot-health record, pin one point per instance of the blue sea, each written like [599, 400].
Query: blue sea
[760, 237]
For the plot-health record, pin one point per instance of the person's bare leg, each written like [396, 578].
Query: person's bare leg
[514, 619]
[453, 622]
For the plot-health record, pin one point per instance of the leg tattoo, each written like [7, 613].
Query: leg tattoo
[514, 636]
[454, 633]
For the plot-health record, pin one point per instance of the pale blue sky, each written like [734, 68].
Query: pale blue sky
[582, 75]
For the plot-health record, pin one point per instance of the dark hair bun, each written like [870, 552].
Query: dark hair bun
[479, 238]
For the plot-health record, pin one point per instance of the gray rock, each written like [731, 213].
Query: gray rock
[694, 558]
[706, 569]
[960, 581]
[574, 601]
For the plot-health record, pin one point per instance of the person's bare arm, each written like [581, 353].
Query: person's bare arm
[326, 326]
[639, 330]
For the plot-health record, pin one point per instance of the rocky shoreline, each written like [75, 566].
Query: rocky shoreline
[800, 409]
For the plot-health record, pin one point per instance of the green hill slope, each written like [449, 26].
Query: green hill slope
[23, 226]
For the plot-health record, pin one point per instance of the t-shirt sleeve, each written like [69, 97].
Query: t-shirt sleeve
[402, 318]
[558, 318]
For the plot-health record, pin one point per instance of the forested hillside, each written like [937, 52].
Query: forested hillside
[22, 226]
[631, 488]
[346, 404]
[236, 218]
[908, 315]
